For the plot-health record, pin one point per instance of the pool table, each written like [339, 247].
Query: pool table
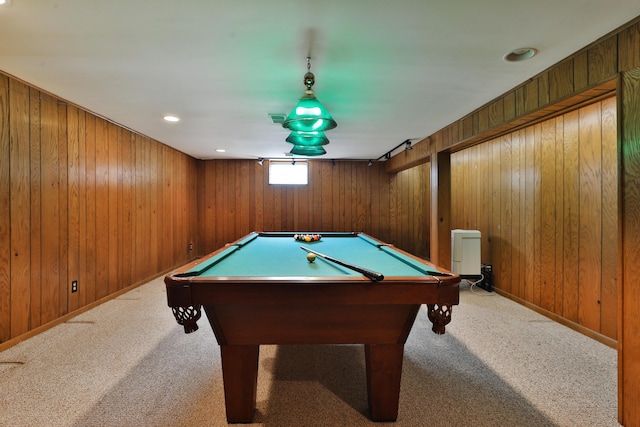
[262, 289]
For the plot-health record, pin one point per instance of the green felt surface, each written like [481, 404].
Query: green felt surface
[281, 256]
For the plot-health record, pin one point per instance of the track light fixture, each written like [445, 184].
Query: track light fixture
[387, 155]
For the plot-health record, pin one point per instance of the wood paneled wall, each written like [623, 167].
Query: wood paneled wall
[629, 249]
[545, 200]
[82, 199]
[236, 198]
[578, 78]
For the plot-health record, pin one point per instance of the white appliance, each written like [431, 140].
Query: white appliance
[465, 252]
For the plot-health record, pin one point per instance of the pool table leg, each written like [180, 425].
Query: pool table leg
[240, 377]
[384, 372]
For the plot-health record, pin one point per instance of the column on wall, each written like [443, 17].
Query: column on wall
[629, 241]
[441, 209]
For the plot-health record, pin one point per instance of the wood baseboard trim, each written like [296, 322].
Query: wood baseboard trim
[62, 319]
[610, 342]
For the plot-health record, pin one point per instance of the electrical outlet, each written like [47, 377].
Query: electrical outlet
[74, 286]
[190, 246]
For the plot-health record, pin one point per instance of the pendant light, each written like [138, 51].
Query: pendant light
[309, 115]
[301, 150]
[307, 139]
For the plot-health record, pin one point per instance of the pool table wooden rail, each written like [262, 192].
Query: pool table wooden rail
[246, 312]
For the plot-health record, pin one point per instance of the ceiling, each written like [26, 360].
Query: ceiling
[386, 71]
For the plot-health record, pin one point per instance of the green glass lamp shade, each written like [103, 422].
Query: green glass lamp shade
[301, 150]
[307, 139]
[309, 115]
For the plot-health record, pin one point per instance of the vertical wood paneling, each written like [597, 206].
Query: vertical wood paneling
[245, 191]
[126, 208]
[164, 179]
[83, 274]
[139, 223]
[506, 214]
[580, 72]
[102, 210]
[559, 212]
[15, 157]
[165, 211]
[315, 175]
[561, 80]
[495, 225]
[227, 199]
[548, 208]
[603, 60]
[571, 223]
[628, 52]
[5, 216]
[484, 166]
[347, 196]
[63, 224]
[337, 199]
[552, 193]
[73, 203]
[326, 172]
[261, 178]
[50, 209]
[303, 218]
[609, 257]
[347, 184]
[403, 209]
[79, 201]
[150, 179]
[529, 278]
[516, 250]
[112, 208]
[384, 187]
[88, 288]
[590, 216]
[271, 193]
[458, 166]
[522, 190]
[206, 236]
[363, 196]
[537, 216]
[420, 223]
[410, 232]
[36, 207]
[472, 178]
[629, 236]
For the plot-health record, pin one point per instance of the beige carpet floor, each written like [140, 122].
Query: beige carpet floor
[127, 363]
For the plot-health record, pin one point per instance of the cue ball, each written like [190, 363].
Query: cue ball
[311, 257]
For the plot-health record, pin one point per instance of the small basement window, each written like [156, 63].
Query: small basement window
[288, 172]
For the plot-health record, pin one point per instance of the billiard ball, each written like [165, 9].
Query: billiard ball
[311, 257]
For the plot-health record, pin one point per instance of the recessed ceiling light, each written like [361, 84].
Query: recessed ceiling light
[5, 2]
[521, 54]
[220, 150]
[171, 118]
